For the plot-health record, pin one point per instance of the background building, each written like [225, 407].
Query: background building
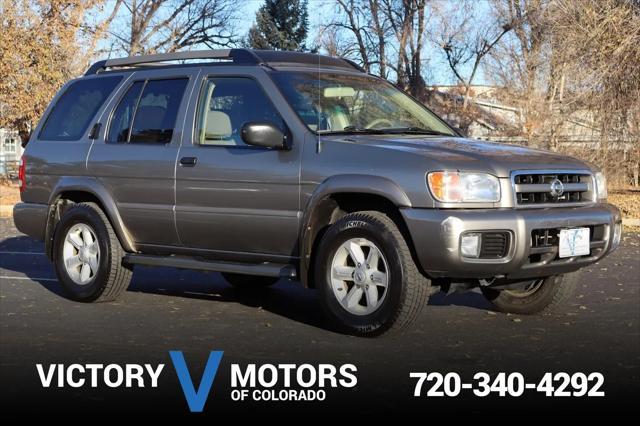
[10, 152]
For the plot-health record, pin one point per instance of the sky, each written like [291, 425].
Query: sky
[320, 12]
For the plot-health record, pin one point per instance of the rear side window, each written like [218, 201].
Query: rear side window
[123, 116]
[72, 113]
[147, 113]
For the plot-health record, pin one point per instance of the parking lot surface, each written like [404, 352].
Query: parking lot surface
[168, 309]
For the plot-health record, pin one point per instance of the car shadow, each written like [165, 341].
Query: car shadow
[286, 298]
[470, 299]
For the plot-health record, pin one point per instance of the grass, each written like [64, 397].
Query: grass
[9, 193]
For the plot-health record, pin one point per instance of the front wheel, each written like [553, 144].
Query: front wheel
[539, 295]
[366, 278]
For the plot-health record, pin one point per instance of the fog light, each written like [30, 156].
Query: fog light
[470, 245]
[617, 234]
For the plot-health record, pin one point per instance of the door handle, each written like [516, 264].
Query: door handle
[188, 161]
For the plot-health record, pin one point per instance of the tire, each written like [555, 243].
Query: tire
[111, 277]
[248, 281]
[546, 295]
[398, 304]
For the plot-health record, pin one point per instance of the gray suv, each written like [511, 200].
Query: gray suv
[265, 165]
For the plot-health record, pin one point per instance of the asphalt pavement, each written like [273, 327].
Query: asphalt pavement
[166, 309]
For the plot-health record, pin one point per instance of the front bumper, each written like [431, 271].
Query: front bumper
[435, 234]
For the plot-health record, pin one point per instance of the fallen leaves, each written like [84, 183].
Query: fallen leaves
[628, 202]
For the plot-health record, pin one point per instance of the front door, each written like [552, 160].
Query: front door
[235, 200]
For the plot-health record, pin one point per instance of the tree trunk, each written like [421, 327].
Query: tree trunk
[362, 49]
[374, 7]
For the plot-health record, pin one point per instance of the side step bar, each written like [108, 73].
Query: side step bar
[261, 269]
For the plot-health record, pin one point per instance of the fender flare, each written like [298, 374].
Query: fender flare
[348, 183]
[91, 186]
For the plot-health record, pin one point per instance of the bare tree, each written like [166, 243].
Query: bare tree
[355, 22]
[362, 28]
[569, 62]
[597, 44]
[407, 19]
[379, 28]
[466, 40]
[386, 36]
[522, 64]
[149, 26]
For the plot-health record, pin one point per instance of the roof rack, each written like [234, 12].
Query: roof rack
[236, 56]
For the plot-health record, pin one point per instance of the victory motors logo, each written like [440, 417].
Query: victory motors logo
[196, 398]
[264, 382]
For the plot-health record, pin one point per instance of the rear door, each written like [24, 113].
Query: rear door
[135, 157]
[234, 200]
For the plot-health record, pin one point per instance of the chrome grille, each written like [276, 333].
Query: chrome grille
[553, 188]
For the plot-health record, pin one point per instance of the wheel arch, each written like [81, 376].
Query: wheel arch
[79, 190]
[341, 195]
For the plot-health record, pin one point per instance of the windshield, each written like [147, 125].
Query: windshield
[340, 103]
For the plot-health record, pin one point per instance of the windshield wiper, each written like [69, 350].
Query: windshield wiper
[414, 130]
[349, 130]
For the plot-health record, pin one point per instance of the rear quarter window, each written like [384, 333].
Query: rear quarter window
[72, 113]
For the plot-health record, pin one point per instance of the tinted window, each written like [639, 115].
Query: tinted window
[226, 104]
[123, 115]
[158, 107]
[74, 110]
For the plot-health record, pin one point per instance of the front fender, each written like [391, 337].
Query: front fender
[349, 183]
[364, 184]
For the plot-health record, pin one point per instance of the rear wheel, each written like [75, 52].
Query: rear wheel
[87, 255]
[248, 281]
[540, 295]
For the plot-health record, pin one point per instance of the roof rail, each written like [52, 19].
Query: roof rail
[238, 56]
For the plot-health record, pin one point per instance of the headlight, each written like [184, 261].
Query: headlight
[601, 186]
[456, 187]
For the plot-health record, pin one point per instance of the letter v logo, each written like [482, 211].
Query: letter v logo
[196, 399]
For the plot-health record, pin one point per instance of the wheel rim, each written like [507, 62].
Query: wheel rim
[359, 276]
[528, 290]
[81, 253]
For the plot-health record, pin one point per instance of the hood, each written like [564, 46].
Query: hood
[454, 153]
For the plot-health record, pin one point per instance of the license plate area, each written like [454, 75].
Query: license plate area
[574, 242]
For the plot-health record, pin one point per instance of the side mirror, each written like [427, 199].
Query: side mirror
[263, 134]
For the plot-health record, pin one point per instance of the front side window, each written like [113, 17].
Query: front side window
[338, 103]
[72, 113]
[228, 103]
[148, 112]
